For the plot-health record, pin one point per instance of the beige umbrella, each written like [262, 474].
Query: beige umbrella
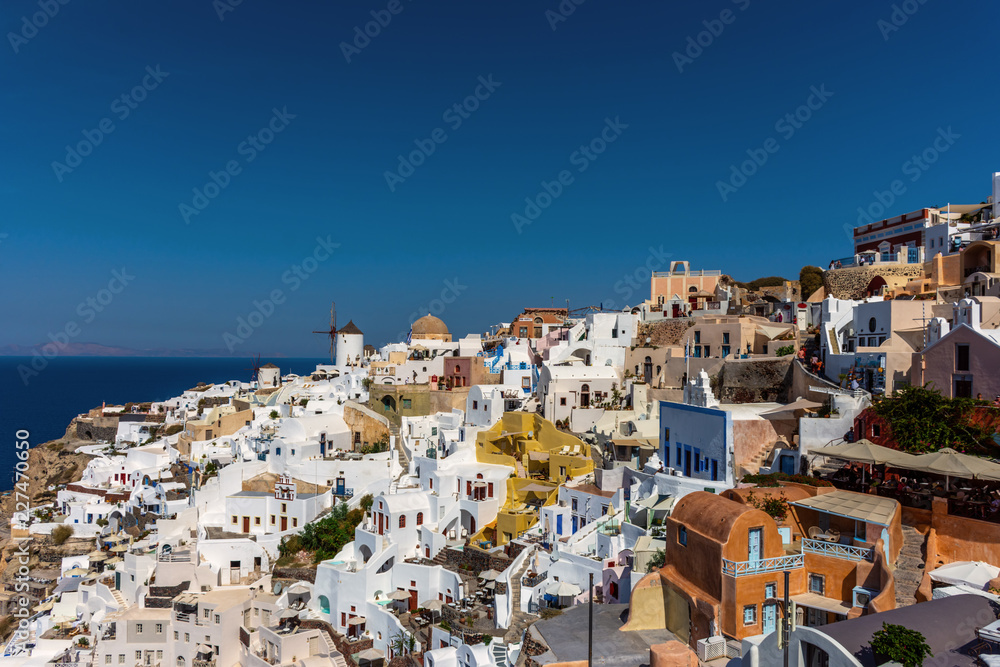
[433, 605]
[489, 575]
[120, 549]
[399, 595]
[96, 554]
[866, 451]
[75, 572]
[369, 656]
[800, 404]
[948, 462]
[114, 561]
[288, 613]
[357, 620]
[117, 538]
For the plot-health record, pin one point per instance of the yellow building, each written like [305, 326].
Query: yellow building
[542, 457]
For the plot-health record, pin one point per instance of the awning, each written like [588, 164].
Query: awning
[357, 620]
[772, 330]
[800, 404]
[479, 485]
[657, 503]
[821, 602]
[857, 506]
[537, 488]
[538, 456]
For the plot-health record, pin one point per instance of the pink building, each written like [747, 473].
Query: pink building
[961, 358]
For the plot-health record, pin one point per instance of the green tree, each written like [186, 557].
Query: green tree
[61, 533]
[810, 280]
[900, 644]
[922, 420]
[784, 350]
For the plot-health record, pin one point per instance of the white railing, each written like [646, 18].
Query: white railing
[750, 567]
[837, 550]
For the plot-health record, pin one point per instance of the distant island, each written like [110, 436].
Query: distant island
[98, 350]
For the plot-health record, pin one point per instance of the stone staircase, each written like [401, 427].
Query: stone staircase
[498, 650]
[119, 598]
[519, 620]
[404, 457]
[336, 657]
[910, 566]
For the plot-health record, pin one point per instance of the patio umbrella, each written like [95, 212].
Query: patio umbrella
[489, 575]
[563, 589]
[298, 588]
[97, 555]
[399, 595]
[800, 404]
[357, 620]
[866, 451]
[973, 573]
[948, 462]
[114, 561]
[288, 613]
[75, 572]
[433, 605]
[370, 655]
[205, 649]
[120, 549]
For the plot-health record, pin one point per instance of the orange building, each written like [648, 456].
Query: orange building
[725, 562]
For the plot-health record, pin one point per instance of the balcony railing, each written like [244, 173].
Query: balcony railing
[750, 567]
[844, 551]
[531, 582]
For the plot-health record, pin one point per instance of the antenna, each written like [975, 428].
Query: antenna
[332, 333]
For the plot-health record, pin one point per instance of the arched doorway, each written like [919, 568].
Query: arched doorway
[388, 404]
[585, 396]
[647, 370]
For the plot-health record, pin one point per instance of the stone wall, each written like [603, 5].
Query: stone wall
[367, 426]
[100, 428]
[295, 574]
[851, 283]
[754, 380]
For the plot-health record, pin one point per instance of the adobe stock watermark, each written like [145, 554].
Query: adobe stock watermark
[914, 167]
[37, 21]
[454, 116]
[22, 575]
[248, 149]
[786, 126]
[87, 311]
[585, 155]
[294, 277]
[696, 44]
[363, 35]
[122, 107]
[450, 292]
[637, 280]
[898, 17]
[562, 12]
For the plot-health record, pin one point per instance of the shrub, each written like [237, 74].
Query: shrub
[61, 533]
[900, 644]
[785, 350]
[274, 414]
[658, 559]
[775, 507]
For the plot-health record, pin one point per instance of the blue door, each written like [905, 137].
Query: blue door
[770, 618]
[753, 544]
[559, 524]
[787, 465]
[574, 524]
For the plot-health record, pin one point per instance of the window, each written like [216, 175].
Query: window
[284, 507]
[218, 619]
[138, 655]
[682, 535]
[708, 350]
[235, 520]
[725, 351]
[187, 637]
[876, 430]
[771, 591]
[961, 357]
[750, 614]
[475, 405]
[208, 612]
[697, 352]
[574, 504]
[295, 522]
[177, 635]
[256, 521]
[107, 659]
[121, 658]
[159, 654]
[420, 518]
[562, 401]
[725, 338]
[697, 337]
[817, 584]
[525, 383]
[272, 519]
[159, 628]
[402, 521]
[138, 628]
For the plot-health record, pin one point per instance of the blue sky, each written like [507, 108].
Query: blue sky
[446, 229]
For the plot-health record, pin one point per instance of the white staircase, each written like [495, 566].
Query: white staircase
[499, 652]
[119, 598]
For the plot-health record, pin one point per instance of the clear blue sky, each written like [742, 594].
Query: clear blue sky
[323, 175]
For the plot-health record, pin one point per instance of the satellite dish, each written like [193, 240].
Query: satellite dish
[277, 588]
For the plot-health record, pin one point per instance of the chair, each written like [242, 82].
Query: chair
[814, 531]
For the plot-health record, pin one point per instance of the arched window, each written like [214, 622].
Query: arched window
[180, 661]
[692, 289]
[402, 521]
[420, 518]
[479, 475]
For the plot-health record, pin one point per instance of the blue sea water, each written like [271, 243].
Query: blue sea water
[69, 386]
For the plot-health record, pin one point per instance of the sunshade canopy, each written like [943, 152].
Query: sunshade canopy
[800, 404]
[399, 595]
[973, 573]
[371, 654]
[489, 575]
[433, 605]
[288, 613]
[563, 589]
[948, 462]
[357, 620]
[867, 451]
[857, 506]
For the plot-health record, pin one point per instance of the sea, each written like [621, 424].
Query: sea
[69, 386]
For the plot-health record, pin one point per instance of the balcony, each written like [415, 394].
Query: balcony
[842, 551]
[532, 581]
[750, 567]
